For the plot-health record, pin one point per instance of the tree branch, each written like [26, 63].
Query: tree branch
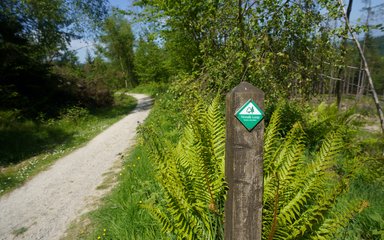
[366, 68]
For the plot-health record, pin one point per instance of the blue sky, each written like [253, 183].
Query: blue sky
[81, 46]
[358, 5]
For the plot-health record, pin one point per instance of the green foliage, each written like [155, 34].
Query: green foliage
[316, 122]
[34, 35]
[98, 70]
[192, 178]
[327, 118]
[301, 188]
[183, 30]
[50, 25]
[121, 216]
[150, 62]
[182, 51]
[280, 47]
[153, 89]
[291, 111]
[91, 92]
[300, 191]
[118, 40]
[29, 146]
[369, 223]
[368, 184]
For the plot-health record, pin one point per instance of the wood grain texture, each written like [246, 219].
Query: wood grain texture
[243, 168]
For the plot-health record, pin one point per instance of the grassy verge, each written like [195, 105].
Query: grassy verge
[122, 215]
[30, 146]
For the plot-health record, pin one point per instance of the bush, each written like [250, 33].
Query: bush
[73, 113]
[86, 93]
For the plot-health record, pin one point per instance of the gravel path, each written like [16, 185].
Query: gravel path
[44, 207]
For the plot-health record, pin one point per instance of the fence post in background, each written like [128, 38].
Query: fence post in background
[244, 162]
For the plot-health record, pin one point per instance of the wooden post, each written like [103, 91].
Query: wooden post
[243, 168]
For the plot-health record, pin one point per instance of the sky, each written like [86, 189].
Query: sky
[357, 11]
[81, 46]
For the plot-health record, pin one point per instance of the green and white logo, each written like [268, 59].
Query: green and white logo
[249, 115]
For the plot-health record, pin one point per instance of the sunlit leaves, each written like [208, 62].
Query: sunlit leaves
[118, 41]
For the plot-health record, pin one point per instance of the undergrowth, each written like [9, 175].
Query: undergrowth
[29, 146]
[331, 189]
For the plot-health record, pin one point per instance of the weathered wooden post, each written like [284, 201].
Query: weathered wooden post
[244, 162]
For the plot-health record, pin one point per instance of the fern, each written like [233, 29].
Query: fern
[300, 188]
[192, 177]
[299, 194]
[338, 220]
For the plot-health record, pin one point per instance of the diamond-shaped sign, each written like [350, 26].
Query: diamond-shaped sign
[249, 115]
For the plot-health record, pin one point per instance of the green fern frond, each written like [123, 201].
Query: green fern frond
[272, 139]
[338, 220]
[302, 189]
[192, 177]
[163, 218]
[285, 163]
[290, 155]
[297, 211]
[320, 203]
[331, 146]
[216, 124]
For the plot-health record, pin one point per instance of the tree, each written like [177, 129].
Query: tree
[51, 24]
[150, 62]
[280, 46]
[182, 29]
[33, 36]
[366, 67]
[343, 53]
[118, 40]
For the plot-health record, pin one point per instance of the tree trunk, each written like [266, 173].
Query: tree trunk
[362, 73]
[339, 88]
[366, 69]
[331, 84]
[362, 84]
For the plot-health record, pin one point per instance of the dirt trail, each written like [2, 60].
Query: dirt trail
[44, 207]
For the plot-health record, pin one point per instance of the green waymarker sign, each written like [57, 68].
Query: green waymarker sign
[249, 115]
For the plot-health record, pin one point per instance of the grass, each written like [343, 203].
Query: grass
[367, 145]
[122, 214]
[368, 185]
[153, 88]
[30, 146]
[370, 223]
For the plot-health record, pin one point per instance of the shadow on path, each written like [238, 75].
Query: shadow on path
[144, 104]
